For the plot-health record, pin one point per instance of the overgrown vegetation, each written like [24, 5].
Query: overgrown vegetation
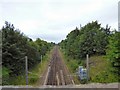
[101, 70]
[35, 74]
[94, 40]
[113, 52]
[15, 46]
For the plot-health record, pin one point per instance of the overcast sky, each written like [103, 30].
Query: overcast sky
[52, 20]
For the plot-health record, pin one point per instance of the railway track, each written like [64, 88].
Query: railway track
[57, 73]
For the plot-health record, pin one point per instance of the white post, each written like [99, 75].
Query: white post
[26, 69]
[87, 64]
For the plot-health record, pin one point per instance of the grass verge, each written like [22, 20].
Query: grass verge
[101, 70]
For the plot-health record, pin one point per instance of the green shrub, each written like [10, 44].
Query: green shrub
[32, 80]
[84, 81]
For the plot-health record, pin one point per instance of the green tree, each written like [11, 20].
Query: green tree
[90, 39]
[113, 51]
[16, 46]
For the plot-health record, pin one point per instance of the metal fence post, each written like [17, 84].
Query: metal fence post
[87, 64]
[26, 69]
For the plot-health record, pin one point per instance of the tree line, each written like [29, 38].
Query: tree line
[15, 46]
[93, 39]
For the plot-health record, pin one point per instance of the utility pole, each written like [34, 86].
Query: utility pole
[87, 65]
[26, 69]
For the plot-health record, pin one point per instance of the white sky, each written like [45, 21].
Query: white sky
[52, 20]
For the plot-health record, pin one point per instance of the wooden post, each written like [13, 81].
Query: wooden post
[87, 64]
[26, 69]
[41, 59]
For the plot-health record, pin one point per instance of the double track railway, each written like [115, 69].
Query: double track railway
[57, 73]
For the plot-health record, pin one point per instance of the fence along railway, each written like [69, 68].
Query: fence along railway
[57, 73]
